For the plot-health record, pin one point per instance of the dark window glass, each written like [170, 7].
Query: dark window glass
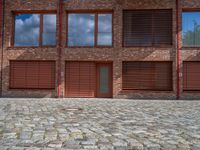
[81, 29]
[49, 30]
[27, 29]
[191, 28]
[104, 30]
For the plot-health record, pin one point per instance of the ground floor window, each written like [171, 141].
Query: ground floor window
[191, 74]
[147, 76]
[32, 74]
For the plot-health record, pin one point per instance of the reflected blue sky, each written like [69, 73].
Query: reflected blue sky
[27, 30]
[81, 29]
[188, 20]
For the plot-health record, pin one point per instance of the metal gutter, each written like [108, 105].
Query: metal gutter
[178, 48]
[2, 46]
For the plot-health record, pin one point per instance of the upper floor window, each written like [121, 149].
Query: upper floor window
[89, 29]
[191, 28]
[35, 30]
[147, 27]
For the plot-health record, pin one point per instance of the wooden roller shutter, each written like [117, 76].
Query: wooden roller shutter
[32, 74]
[137, 28]
[147, 76]
[191, 74]
[147, 27]
[162, 27]
[80, 79]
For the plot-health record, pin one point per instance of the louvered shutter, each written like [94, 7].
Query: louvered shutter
[191, 74]
[137, 28]
[147, 27]
[162, 27]
[32, 74]
[147, 76]
[80, 79]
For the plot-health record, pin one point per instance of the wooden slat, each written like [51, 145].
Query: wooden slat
[147, 27]
[147, 76]
[191, 74]
[80, 79]
[32, 74]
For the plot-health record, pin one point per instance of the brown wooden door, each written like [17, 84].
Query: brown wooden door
[104, 80]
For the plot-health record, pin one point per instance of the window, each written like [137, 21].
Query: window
[191, 74]
[32, 75]
[191, 28]
[35, 30]
[89, 29]
[155, 76]
[147, 27]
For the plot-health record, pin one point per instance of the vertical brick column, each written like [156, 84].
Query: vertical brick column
[1, 49]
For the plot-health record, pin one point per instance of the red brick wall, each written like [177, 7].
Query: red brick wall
[1, 16]
[116, 54]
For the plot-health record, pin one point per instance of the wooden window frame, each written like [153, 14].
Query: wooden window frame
[187, 11]
[152, 23]
[151, 90]
[11, 88]
[40, 39]
[96, 13]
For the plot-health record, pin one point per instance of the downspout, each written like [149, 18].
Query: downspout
[178, 48]
[2, 46]
[59, 49]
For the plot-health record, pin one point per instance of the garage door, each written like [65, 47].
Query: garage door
[32, 74]
[191, 74]
[80, 80]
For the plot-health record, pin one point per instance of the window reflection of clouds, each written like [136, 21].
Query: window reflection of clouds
[27, 28]
[49, 29]
[81, 29]
[105, 29]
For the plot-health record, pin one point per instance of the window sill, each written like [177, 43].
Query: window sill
[190, 48]
[89, 47]
[162, 46]
[32, 89]
[124, 91]
[30, 47]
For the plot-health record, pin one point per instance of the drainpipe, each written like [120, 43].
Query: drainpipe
[178, 49]
[59, 49]
[2, 45]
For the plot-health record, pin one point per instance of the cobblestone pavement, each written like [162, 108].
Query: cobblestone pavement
[92, 124]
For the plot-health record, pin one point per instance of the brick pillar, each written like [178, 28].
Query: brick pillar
[1, 49]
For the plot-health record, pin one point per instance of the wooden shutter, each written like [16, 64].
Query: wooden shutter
[147, 27]
[137, 28]
[191, 74]
[32, 74]
[80, 79]
[162, 27]
[147, 76]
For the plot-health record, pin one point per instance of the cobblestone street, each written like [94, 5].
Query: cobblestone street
[70, 124]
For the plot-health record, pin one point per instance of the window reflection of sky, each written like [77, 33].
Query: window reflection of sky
[27, 29]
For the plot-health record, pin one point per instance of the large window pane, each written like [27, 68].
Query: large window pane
[81, 29]
[191, 28]
[49, 29]
[104, 29]
[27, 28]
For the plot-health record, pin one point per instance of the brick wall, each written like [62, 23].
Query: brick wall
[1, 17]
[116, 54]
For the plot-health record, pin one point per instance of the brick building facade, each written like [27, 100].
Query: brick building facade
[69, 61]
